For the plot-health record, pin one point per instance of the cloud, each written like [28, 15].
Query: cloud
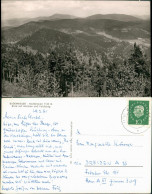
[35, 8]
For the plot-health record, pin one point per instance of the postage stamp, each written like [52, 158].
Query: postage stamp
[138, 113]
[136, 116]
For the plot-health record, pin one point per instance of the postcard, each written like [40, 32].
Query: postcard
[75, 145]
[76, 87]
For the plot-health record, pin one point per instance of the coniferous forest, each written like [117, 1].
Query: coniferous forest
[61, 59]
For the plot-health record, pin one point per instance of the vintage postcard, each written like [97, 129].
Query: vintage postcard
[95, 54]
[75, 48]
[71, 145]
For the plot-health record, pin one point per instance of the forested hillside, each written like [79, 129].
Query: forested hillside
[77, 57]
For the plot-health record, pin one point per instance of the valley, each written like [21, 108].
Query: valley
[63, 55]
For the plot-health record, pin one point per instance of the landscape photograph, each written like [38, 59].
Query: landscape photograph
[75, 48]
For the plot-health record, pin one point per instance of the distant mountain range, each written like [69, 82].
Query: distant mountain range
[19, 21]
[120, 17]
[115, 28]
[111, 33]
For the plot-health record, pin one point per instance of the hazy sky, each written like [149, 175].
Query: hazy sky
[34, 8]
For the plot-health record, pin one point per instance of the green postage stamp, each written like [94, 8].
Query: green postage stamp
[138, 113]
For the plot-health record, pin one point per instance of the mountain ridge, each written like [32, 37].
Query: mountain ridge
[115, 28]
[119, 17]
[19, 21]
